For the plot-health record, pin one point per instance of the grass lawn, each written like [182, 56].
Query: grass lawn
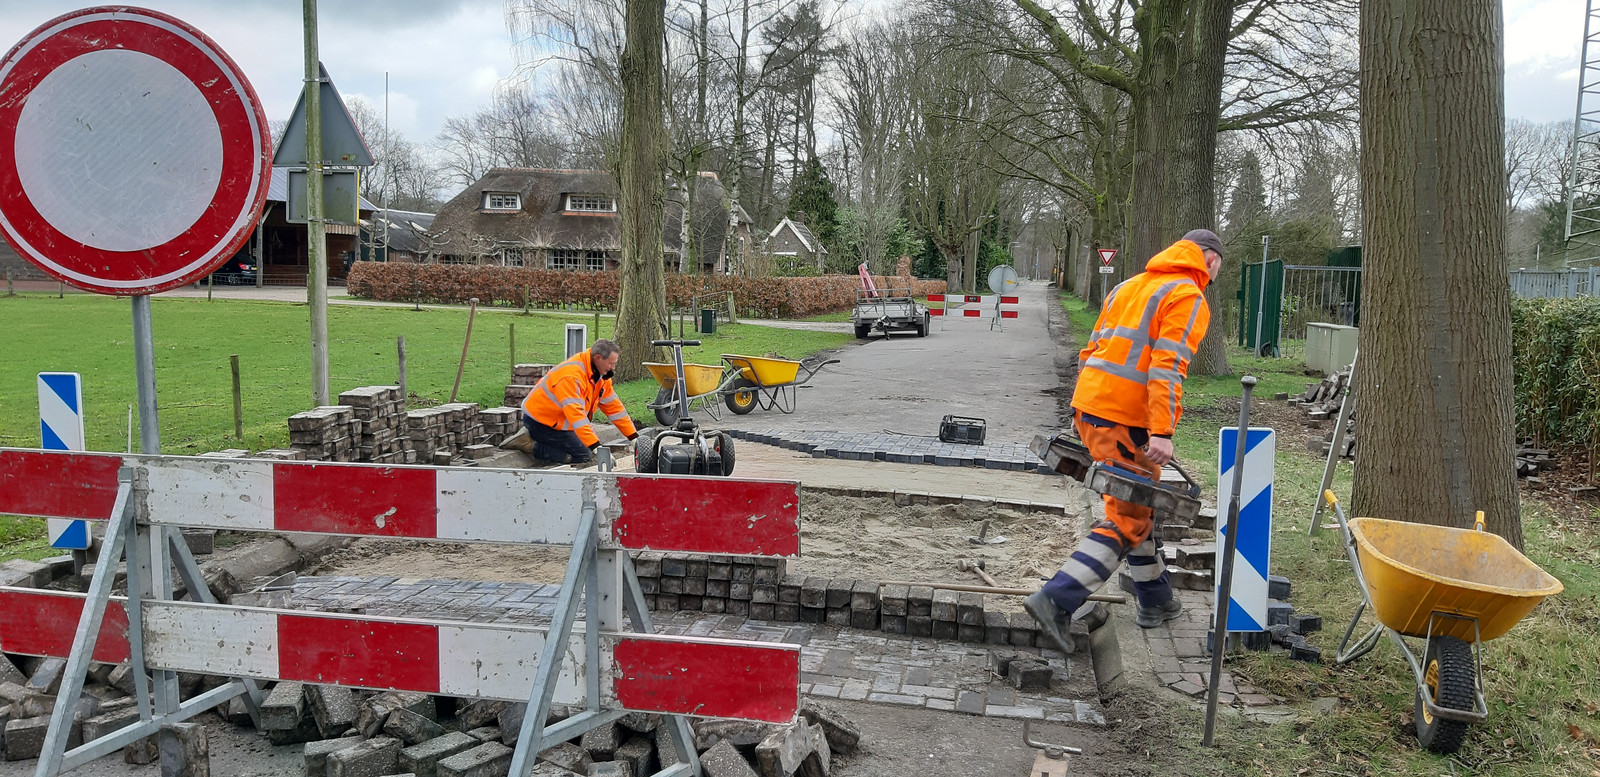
[92, 335]
[1542, 681]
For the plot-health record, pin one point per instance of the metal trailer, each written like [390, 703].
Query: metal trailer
[888, 311]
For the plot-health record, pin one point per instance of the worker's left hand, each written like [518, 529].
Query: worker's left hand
[1159, 450]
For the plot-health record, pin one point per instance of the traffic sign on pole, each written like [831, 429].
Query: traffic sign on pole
[1247, 608]
[61, 429]
[1106, 255]
[134, 155]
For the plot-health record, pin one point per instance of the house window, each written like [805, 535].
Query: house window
[511, 257]
[451, 259]
[564, 259]
[591, 203]
[595, 261]
[501, 201]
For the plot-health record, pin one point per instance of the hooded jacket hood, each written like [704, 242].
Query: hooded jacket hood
[1184, 257]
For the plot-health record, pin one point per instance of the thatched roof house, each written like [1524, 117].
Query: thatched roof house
[568, 220]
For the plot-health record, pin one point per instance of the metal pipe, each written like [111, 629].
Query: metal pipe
[144, 376]
[1261, 293]
[1230, 543]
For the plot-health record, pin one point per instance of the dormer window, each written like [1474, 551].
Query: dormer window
[591, 203]
[501, 201]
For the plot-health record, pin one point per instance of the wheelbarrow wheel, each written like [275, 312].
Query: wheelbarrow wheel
[1449, 677]
[741, 399]
[644, 452]
[667, 410]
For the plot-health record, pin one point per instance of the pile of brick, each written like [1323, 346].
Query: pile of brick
[380, 410]
[348, 733]
[523, 378]
[326, 433]
[1531, 460]
[1321, 402]
[499, 423]
[438, 433]
[760, 589]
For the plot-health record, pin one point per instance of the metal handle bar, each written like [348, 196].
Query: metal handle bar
[670, 343]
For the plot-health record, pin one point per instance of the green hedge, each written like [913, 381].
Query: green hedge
[1556, 354]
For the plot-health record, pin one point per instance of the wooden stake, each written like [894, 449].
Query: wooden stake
[400, 343]
[238, 405]
[513, 338]
[462, 365]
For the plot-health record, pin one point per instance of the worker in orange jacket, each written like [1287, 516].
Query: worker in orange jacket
[1128, 400]
[558, 410]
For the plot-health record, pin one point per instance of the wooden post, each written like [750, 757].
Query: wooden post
[525, 291]
[597, 326]
[513, 338]
[61, 290]
[208, 286]
[462, 365]
[733, 312]
[400, 343]
[9, 291]
[238, 405]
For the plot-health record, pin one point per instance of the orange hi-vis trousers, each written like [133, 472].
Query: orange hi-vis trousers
[1126, 532]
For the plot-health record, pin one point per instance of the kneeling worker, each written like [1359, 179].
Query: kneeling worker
[556, 412]
[1127, 402]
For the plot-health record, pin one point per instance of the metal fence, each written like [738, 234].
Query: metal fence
[1539, 284]
[1316, 294]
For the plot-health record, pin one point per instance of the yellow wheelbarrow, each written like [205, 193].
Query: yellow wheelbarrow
[702, 382]
[765, 381]
[1452, 588]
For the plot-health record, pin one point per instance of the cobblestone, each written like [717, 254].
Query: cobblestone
[900, 448]
[1179, 659]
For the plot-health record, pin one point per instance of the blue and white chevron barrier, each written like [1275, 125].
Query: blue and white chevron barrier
[61, 429]
[1247, 610]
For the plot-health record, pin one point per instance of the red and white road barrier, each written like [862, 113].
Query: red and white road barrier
[636, 512]
[643, 673]
[974, 305]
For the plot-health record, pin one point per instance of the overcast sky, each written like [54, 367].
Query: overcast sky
[444, 57]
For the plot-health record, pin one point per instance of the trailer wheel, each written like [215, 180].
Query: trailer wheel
[922, 328]
[667, 410]
[1449, 678]
[741, 399]
[644, 452]
[862, 330]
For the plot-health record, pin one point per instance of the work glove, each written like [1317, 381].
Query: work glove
[633, 436]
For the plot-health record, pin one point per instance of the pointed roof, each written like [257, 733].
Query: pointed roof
[802, 232]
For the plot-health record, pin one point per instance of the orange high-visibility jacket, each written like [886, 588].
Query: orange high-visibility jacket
[567, 396]
[1133, 368]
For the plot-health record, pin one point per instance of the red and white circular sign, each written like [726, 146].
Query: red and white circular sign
[134, 155]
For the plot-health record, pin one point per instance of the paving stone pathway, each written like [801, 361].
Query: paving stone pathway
[835, 663]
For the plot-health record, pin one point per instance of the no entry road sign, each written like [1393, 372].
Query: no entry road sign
[134, 155]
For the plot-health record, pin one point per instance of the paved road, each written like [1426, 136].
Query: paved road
[907, 384]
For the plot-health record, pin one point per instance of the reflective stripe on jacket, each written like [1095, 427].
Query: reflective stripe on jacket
[1133, 367]
[566, 398]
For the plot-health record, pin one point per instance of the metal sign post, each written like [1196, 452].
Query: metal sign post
[316, 227]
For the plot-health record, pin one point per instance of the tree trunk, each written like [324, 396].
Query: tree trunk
[642, 309]
[1435, 421]
[1159, 31]
[1191, 176]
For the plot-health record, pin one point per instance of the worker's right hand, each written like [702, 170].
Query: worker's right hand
[1159, 450]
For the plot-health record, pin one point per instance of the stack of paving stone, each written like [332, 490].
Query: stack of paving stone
[437, 433]
[1202, 529]
[380, 410]
[280, 454]
[499, 423]
[523, 378]
[325, 433]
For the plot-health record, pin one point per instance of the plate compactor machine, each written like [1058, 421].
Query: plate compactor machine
[683, 448]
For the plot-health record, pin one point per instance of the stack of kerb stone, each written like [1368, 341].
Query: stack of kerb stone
[379, 409]
[325, 433]
[499, 423]
[523, 378]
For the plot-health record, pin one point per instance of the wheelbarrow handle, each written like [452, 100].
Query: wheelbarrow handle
[670, 343]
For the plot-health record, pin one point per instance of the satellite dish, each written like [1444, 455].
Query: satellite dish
[1002, 279]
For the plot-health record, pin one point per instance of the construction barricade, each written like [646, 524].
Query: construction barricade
[595, 664]
[974, 306]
